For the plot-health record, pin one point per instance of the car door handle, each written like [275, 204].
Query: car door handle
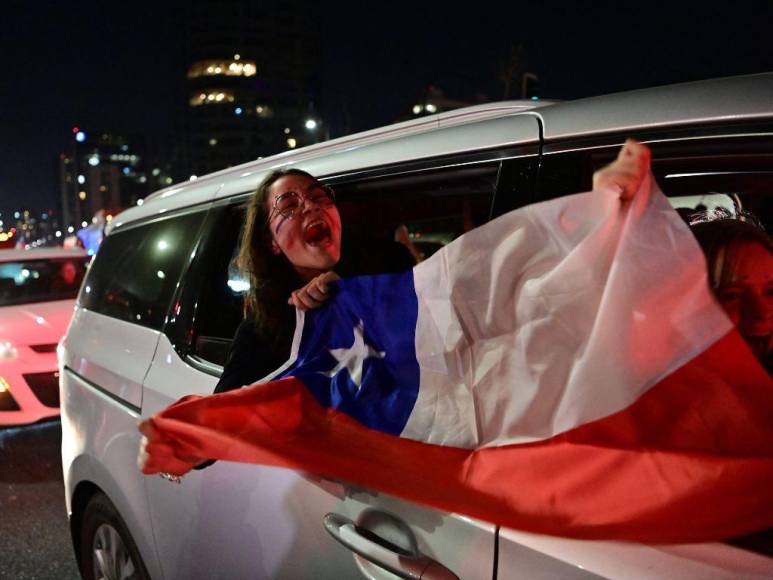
[406, 566]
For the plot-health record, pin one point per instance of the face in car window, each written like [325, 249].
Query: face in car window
[746, 293]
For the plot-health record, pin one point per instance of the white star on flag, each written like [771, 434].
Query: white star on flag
[353, 357]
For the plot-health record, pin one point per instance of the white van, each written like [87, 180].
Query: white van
[161, 302]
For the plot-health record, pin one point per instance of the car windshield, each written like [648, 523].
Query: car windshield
[28, 281]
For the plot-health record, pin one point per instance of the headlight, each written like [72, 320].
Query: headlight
[7, 350]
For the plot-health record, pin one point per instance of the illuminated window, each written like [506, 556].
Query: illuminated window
[212, 97]
[230, 68]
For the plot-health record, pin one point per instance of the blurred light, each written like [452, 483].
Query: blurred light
[430, 108]
[75, 130]
[90, 252]
[82, 195]
[156, 172]
[311, 124]
[126, 171]
[535, 98]
[287, 130]
[168, 180]
[70, 230]
[213, 141]
[108, 218]
[58, 233]
[94, 160]
[140, 201]
[416, 109]
[239, 286]
[81, 179]
[88, 289]
[80, 136]
[143, 179]
[291, 143]
[160, 274]
[16, 215]
[162, 245]
[238, 110]
[193, 178]
[25, 273]
[44, 216]
[259, 109]
[237, 56]
[7, 351]
[84, 224]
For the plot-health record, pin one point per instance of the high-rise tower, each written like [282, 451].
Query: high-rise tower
[247, 81]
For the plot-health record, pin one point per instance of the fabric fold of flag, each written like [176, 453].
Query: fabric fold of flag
[561, 370]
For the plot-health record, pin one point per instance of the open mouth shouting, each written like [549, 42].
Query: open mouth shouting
[316, 232]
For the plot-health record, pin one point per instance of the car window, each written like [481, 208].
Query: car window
[135, 272]
[733, 175]
[27, 281]
[424, 211]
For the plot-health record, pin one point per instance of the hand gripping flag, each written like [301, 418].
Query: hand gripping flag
[563, 370]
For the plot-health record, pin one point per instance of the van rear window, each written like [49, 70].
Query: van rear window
[135, 272]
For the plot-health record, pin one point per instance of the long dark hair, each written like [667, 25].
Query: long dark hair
[272, 277]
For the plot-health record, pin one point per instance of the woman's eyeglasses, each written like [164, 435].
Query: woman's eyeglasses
[289, 203]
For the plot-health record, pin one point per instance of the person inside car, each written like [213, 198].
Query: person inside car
[292, 250]
[739, 258]
[67, 279]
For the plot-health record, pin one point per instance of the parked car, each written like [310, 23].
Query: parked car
[160, 304]
[37, 297]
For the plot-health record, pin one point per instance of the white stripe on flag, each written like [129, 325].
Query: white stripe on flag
[551, 316]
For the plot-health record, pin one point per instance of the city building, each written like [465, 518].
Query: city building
[246, 81]
[104, 172]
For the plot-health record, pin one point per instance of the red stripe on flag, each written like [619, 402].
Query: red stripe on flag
[691, 460]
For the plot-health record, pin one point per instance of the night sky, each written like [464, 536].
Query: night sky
[106, 65]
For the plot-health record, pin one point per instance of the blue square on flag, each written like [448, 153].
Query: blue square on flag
[358, 355]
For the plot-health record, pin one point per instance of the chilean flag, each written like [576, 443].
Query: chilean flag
[563, 369]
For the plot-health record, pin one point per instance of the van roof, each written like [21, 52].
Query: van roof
[493, 125]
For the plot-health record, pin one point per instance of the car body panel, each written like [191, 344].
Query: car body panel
[99, 448]
[625, 559]
[112, 354]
